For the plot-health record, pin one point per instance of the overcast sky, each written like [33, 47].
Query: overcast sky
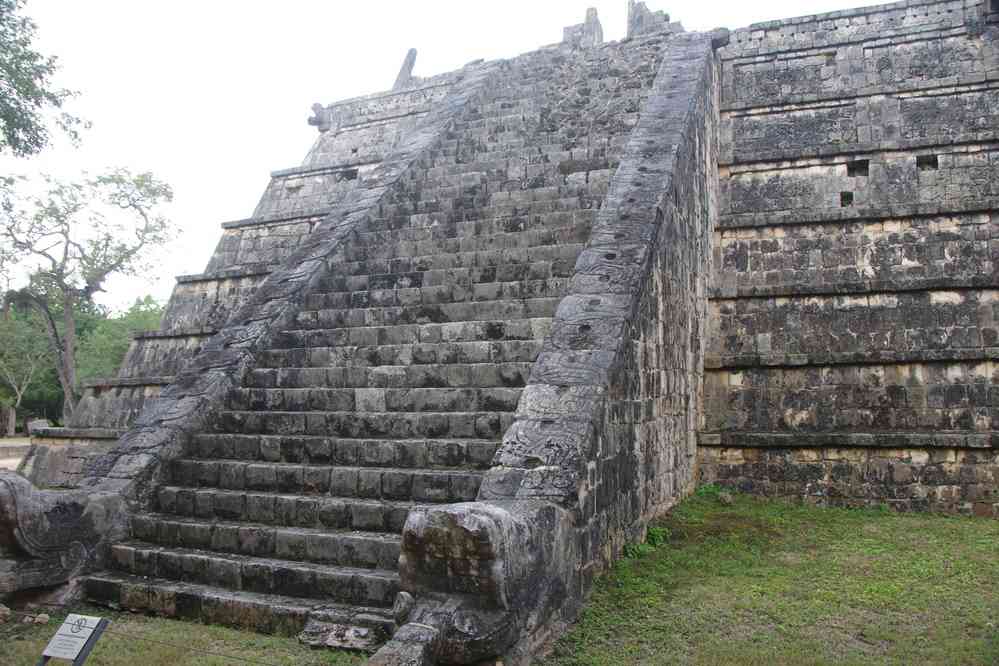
[213, 95]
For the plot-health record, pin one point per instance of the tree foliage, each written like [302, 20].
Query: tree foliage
[103, 342]
[69, 238]
[102, 348]
[24, 358]
[24, 355]
[27, 93]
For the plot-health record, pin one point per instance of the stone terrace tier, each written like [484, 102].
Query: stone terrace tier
[853, 322]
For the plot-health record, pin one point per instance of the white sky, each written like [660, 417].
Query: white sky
[212, 95]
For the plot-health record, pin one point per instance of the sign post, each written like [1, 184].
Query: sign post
[75, 638]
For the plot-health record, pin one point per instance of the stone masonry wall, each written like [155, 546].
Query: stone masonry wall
[852, 327]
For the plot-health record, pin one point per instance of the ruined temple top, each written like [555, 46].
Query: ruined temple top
[577, 37]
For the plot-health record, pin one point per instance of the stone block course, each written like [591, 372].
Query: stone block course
[891, 255]
[851, 332]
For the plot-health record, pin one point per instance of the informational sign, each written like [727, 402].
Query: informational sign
[75, 638]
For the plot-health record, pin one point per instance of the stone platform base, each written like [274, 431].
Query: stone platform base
[947, 480]
[57, 455]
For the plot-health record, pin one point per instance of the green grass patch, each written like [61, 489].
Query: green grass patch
[736, 580]
[166, 643]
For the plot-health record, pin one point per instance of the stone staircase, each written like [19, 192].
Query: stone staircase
[394, 386]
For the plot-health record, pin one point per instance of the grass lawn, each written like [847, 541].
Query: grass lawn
[169, 643]
[767, 582]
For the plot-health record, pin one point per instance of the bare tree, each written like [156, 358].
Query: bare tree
[70, 239]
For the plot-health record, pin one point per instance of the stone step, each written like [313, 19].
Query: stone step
[495, 330]
[421, 485]
[376, 399]
[367, 550]
[264, 613]
[502, 351]
[563, 255]
[284, 509]
[505, 168]
[368, 425]
[497, 208]
[496, 117]
[355, 627]
[561, 189]
[444, 225]
[453, 147]
[412, 453]
[480, 144]
[493, 165]
[307, 580]
[511, 203]
[437, 313]
[475, 275]
[522, 240]
[437, 294]
[453, 375]
[439, 179]
[381, 248]
[506, 110]
[503, 157]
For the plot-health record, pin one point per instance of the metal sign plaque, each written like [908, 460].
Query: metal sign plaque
[75, 638]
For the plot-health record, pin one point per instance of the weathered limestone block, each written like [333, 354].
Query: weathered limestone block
[887, 255]
[849, 28]
[58, 457]
[322, 118]
[831, 189]
[55, 535]
[586, 35]
[964, 114]
[838, 472]
[405, 76]
[305, 191]
[163, 353]
[904, 398]
[114, 404]
[368, 128]
[907, 326]
[642, 20]
[255, 246]
[481, 573]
